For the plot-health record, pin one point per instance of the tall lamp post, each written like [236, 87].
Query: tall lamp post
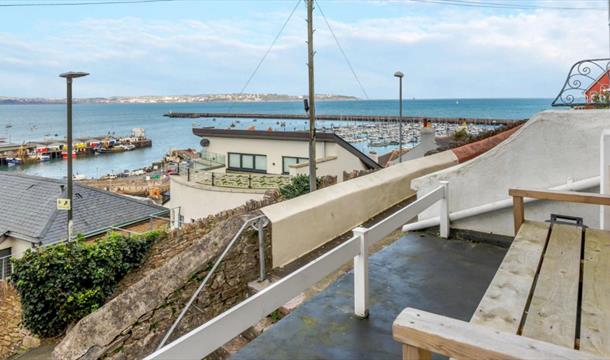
[399, 75]
[69, 76]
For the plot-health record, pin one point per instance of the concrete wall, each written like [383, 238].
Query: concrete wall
[553, 148]
[302, 224]
[198, 201]
[18, 247]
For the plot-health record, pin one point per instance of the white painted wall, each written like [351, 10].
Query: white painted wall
[302, 224]
[18, 247]
[198, 201]
[553, 148]
[427, 143]
[275, 149]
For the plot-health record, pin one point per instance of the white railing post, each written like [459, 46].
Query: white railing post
[444, 215]
[604, 178]
[361, 274]
[176, 219]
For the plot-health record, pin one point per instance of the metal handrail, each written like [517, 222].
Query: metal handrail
[211, 272]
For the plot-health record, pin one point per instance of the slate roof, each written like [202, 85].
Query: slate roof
[28, 209]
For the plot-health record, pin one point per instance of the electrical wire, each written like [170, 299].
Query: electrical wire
[341, 50]
[496, 5]
[87, 3]
[270, 48]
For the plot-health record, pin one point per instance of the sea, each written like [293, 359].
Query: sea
[23, 123]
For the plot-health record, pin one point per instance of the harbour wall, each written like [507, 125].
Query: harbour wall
[552, 149]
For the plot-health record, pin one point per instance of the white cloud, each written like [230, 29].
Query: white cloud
[458, 48]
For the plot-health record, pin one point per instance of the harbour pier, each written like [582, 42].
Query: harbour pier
[342, 117]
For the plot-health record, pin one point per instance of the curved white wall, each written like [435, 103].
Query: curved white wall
[198, 201]
[553, 148]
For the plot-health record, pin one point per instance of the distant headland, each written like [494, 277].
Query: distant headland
[166, 99]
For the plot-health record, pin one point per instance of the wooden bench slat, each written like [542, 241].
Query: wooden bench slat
[462, 340]
[553, 309]
[504, 302]
[595, 312]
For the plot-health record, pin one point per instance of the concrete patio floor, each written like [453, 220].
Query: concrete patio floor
[447, 277]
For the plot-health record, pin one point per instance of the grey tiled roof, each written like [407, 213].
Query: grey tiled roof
[28, 208]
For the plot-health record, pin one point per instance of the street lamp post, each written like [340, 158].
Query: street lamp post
[69, 76]
[399, 75]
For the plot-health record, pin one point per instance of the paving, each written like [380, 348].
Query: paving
[447, 277]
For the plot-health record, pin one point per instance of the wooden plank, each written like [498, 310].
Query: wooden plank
[518, 213]
[569, 196]
[504, 302]
[553, 309]
[595, 311]
[464, 340]
[413, 353]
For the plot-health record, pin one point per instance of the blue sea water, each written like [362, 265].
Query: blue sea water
[22, 123]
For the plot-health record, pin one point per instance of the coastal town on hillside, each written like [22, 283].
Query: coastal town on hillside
[177, 99]
[449, 210]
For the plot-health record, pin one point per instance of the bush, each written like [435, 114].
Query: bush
[298, 186]
[61, 284]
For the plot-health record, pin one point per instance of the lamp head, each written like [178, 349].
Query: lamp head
[398, 74]
[73, 74]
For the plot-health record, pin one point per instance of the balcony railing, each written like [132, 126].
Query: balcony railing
[205, 339]
[6, 267]
[236, 181]
[209, 161]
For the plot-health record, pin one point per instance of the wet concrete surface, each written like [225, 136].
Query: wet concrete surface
[446, 277]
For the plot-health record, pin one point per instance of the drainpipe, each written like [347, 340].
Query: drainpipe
[497, 205]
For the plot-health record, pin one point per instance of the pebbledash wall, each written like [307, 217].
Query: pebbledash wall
[552, 149]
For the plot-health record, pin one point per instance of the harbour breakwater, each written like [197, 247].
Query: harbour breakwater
[365, 118]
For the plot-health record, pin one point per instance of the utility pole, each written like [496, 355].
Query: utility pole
[312, 104]
[399, 75]
[69, 76]
[609, 22]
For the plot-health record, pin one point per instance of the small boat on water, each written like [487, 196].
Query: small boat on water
[44, 157]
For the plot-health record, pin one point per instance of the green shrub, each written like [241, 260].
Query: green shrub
[298, 186]
[61, 284]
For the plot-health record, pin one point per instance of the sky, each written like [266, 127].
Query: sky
[205, 46]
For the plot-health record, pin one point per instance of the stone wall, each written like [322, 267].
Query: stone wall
[13, 337]
[147, 302]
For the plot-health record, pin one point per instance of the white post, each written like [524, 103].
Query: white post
[444, 215]
[176, 213]
[604, 178]
[361, 275]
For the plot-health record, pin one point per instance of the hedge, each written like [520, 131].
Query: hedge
[298, 186]
[62, 283]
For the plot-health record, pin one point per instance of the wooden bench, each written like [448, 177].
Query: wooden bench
[550, 298]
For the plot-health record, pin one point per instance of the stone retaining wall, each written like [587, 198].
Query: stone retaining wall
[133, 323]
[13, 337]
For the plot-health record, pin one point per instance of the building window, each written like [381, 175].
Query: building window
[291, 160]
[5, 263]
[248, 162]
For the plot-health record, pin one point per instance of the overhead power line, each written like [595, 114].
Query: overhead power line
[85, 3]
[279, 33]
[498, 5]
[341, 50]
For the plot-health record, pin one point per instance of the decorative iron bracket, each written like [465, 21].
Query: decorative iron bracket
[587, 85]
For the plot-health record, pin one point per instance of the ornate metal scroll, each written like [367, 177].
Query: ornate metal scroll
[587, 85]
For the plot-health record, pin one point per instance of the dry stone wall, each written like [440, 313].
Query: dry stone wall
[133, 323]
[13, 337]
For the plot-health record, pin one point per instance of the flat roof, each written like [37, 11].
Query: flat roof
[287, 136]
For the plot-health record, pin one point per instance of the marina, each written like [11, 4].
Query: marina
[35, 151]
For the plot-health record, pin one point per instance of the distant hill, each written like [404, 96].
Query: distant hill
[178, 99]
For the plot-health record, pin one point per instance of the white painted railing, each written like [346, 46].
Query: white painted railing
[208, 337]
